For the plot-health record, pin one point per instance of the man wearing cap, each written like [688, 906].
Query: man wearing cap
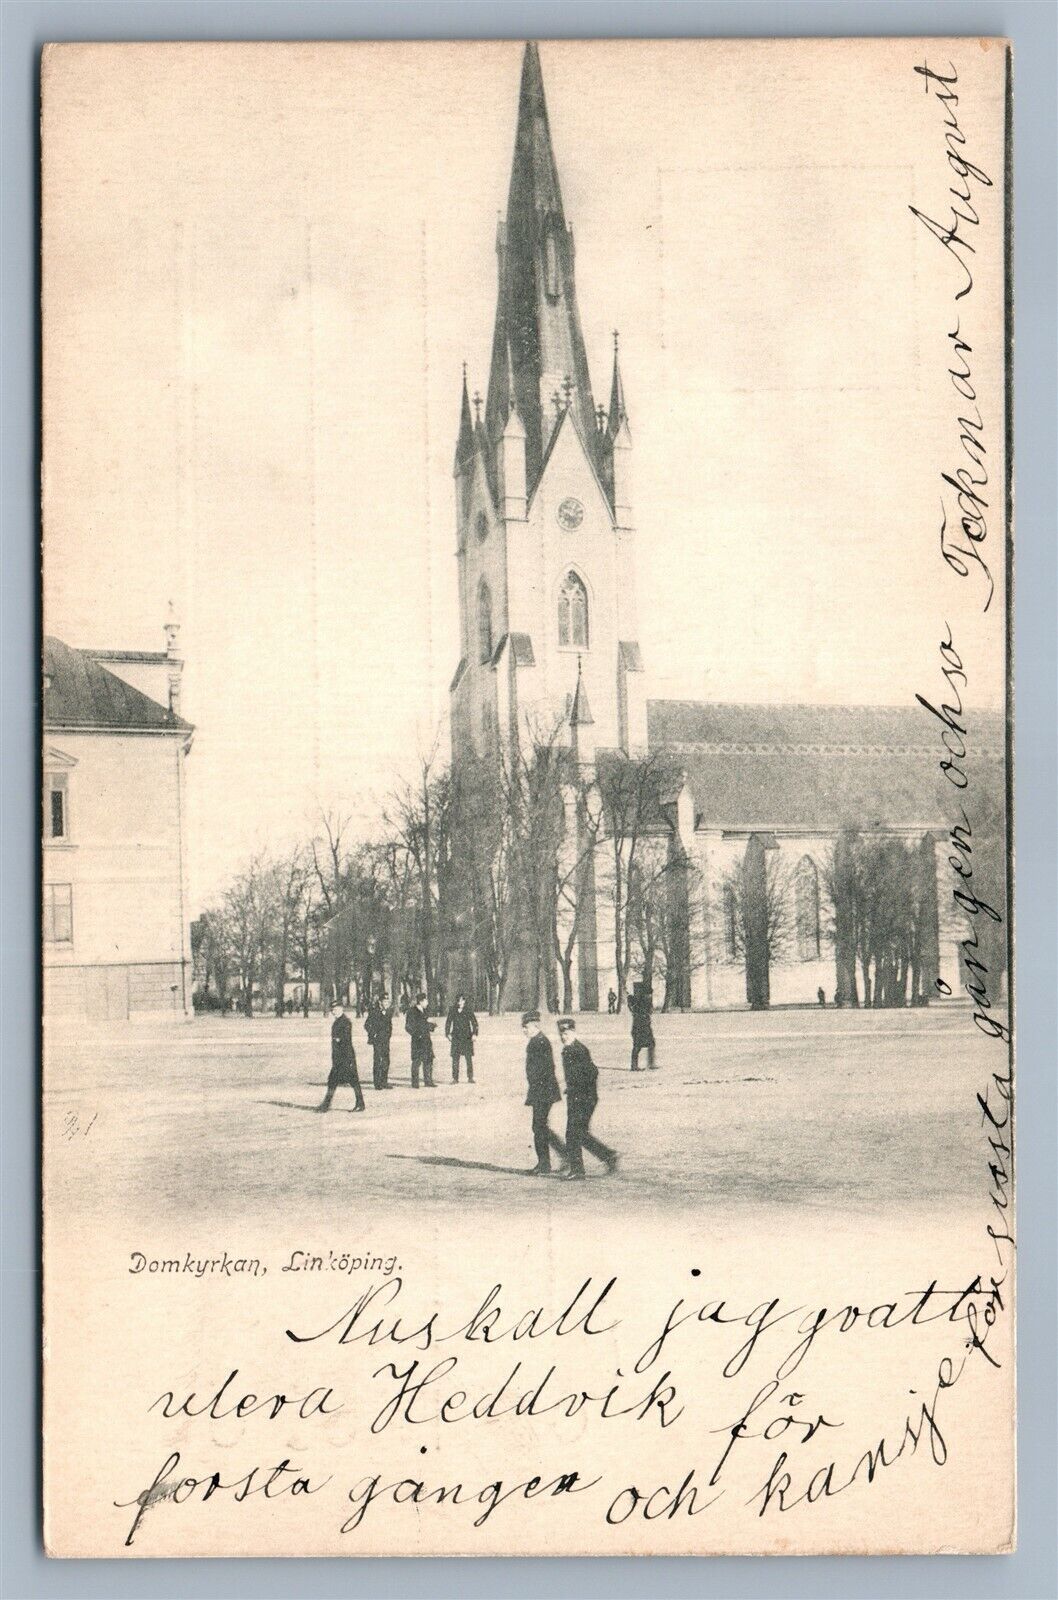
[582, 1096]
[343, 1059]
[379, 1028]
[419, 1026]
[543, 1091]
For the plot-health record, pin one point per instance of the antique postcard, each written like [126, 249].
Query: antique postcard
[525, 798]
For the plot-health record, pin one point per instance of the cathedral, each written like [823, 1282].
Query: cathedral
[749, 804]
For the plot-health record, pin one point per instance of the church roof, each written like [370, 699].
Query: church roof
[80, 693]
[802, 766]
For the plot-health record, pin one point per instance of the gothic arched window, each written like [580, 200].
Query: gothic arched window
[484, 622]
[806, 904]
[573, 613]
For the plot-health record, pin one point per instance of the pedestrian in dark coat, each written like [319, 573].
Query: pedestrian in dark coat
[582, 1096]
[379, 1027]
[641, 1004]
[343, 1059]
[543, 1091]
[419, 1026]
[461, 1029]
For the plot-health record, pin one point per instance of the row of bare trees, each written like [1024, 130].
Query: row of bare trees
[496, 879]
[487, 880]
[874, 912]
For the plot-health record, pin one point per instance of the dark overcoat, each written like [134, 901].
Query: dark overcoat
[543, 1090]
[461, 1027]
[343, 1056]
[379, 1024]
[582, 1078]
[418, 1025]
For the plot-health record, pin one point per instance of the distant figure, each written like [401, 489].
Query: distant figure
[821, 996]
[379, 1028]
[461, 1029]
[641, 1004]
[611, 1002]
[343, 1059]
[543, 1092]
[582, 1096]
[419, 1026]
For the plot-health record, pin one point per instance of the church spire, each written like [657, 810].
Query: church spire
[537, 341]
[618, 413]
[465, 442]
[580, 711]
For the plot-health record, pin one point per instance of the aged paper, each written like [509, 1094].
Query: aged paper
[525, 759]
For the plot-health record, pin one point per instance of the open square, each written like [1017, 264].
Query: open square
[863, 1112]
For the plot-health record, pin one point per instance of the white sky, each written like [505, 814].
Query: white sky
[265, 265]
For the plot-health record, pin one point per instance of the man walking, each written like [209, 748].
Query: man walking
[379, 1028]
[582, 1096]
[419, 1026]
[343, 1059]
[611, 1002]
[641, 1004]
[461, 1028]
[543, 1092]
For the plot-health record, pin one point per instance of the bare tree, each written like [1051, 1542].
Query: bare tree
[290, 878]
[759, 917]
[575, 885]
[418, 820]
[883, 892]
[533, 771]
[242, 908]
[659, 912]
[484, 890]
[215, 952]
[329, 849]
[631, 814]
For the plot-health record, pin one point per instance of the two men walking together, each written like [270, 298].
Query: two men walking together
[582, 1096]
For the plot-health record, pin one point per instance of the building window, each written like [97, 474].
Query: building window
[56, 808]
[730, 923]
[484, 622]
[806, 903]
[573, 614]
[58, 913]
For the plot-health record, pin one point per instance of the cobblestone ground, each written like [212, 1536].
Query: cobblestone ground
[872, 1112]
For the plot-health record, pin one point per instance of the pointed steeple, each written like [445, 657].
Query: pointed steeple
[618, 414]
[580, 711]
[537, 340]
[465, 442]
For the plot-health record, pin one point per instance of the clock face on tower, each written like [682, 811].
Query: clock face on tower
[570, 514]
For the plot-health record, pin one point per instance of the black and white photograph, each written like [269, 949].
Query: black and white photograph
[526, 792]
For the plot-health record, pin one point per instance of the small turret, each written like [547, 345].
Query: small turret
[620, 444]
[465, 442]
[581, 722]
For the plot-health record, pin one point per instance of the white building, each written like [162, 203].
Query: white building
[116, 939]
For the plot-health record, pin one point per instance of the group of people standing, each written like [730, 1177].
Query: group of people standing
[543, 1093]
[461, 1029]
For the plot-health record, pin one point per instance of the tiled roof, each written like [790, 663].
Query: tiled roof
[81, 693]
[826, 767]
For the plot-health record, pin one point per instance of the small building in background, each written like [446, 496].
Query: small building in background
[116, 934]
